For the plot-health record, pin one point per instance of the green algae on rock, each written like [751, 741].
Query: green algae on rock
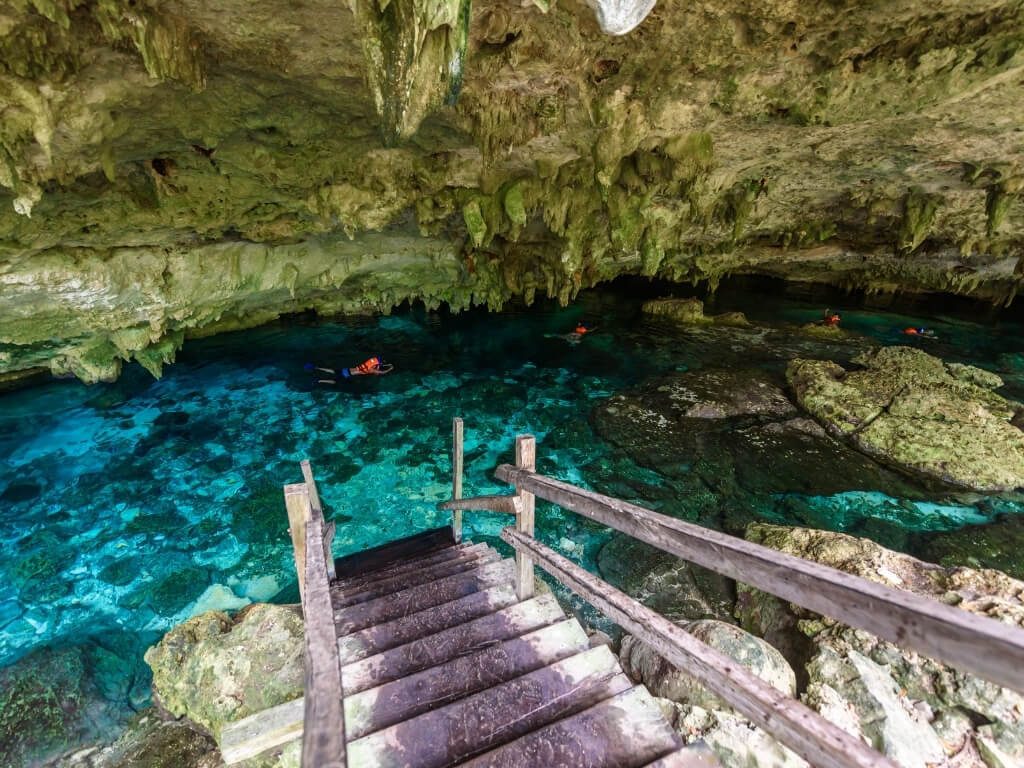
[213, 671]
[691, 311]
[910, 410]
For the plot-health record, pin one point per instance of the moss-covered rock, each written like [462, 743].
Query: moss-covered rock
[691, 311]
[214, 672]
[910, 410]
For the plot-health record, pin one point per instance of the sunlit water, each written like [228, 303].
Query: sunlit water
[126, 508]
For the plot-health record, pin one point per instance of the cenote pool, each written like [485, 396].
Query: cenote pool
[126, 508]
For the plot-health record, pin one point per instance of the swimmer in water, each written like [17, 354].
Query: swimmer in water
[926, 333]
[830, 318]
[372, 367]
[577, 334]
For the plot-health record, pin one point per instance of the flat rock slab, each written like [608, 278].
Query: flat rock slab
[912, 411]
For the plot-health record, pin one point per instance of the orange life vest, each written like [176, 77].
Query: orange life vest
[369, 366]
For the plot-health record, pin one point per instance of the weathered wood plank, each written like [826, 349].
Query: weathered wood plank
[457, 476]
[261, 731]
[510, 505]
[402, 699]
[393, 552]
[977, 644]
[381, 637]
[697, 755]
[485, 720]
[318, 511]
[409, 601]
[465, 550]
[625, 731]
[296, 502]
[439, 647]
[821, 743]
[386, 586]
[323, 739]
[526, 460]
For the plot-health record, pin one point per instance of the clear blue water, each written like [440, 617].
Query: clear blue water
[126, 508]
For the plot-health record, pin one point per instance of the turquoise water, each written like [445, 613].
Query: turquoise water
[126, 508]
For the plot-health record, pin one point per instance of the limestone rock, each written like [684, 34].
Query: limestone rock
[675, 588]
[733, 739]
[214, 672]
[906, 408]
[663, 679]
[861, 697]
[854, 674]
[691, 311]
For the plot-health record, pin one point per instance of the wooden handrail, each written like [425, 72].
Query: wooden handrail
[318, 511]
[457, 478]
[323, 735]
[804, 731]
[986, 647]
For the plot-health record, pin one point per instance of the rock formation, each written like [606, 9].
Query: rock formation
[173, 169]
[911, 410]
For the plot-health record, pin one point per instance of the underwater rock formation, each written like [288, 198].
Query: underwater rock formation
[912, 411]
[215, 670]
[175, 169]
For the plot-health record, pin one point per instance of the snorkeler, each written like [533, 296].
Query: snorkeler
[830, 318]
[578, 332]
[372, 367]
[926, 333]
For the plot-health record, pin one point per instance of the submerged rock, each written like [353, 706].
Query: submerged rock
[49, 702]
[912, 411]
[214, 671]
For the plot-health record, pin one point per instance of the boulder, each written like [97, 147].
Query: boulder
[675, 588]
[666, 680]
[691, 311]
[912, 411]
[214, 671]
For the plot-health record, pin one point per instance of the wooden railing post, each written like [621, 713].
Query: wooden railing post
[300, 512]
[457, 477]
[318, 511]
[526, 458]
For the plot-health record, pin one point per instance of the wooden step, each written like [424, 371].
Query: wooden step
[696, 755]
[434, 687]
[626, 731]
[412, 564]
[438, 648]
[374, 640]
[408, 601]
[343, 596]
[399, 549]
[485, 720]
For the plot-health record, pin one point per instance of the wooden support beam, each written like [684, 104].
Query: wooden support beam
[296, 501]
[457, 477]
[977, 644]
[526, 460]
[318, 510]
[323, 738]
[266, 729]
[509, 504]
[821, 743]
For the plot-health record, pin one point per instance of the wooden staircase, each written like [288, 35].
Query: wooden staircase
[442, 665]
